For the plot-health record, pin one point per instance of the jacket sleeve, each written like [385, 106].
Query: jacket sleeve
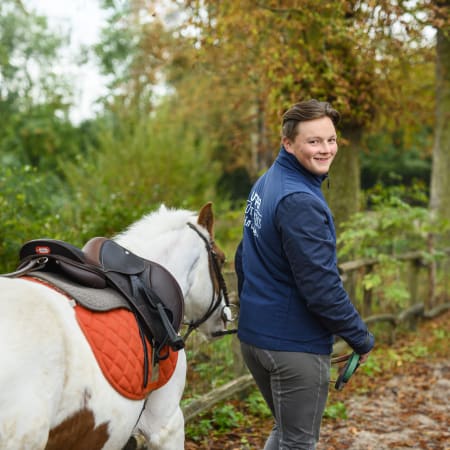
[310, 246]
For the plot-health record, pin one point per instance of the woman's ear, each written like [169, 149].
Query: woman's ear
[287, 144]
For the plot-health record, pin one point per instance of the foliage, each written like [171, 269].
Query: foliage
[138, 162]
[31, 205]
[349, 53]
[229, 228]
[210, 367]
[226, 417]
[388, 160]
[223, 417]
[345, 52]
[199, 429]
[135, 51]
[335, 411]
[213, 360]
[257, 406]
[34, 98]
[27, 47]
[392, 226]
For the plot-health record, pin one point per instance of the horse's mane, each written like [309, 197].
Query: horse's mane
[155, 225]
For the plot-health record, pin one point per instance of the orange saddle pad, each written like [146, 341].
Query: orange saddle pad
[115, 340]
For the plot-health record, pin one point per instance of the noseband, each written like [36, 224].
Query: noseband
[217, 295]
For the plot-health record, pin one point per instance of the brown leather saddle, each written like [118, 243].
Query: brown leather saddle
[149, 290]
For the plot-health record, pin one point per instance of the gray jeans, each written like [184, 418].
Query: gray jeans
[295, 387]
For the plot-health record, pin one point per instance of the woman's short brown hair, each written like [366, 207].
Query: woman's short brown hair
[304, 111]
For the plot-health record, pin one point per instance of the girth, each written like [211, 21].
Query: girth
[149, 290]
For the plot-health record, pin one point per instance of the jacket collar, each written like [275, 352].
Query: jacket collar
[289, 161]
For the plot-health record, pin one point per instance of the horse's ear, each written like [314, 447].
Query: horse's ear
[206, 218]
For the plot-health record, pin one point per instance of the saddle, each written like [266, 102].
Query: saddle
[149, 290]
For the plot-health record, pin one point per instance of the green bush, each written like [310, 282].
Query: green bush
[397, 222]
[335, 411]
[32, 205]
[257, 406]
[138, 163]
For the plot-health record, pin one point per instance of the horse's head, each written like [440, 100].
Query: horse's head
[207, 305]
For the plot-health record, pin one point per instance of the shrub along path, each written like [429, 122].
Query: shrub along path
[398, 400]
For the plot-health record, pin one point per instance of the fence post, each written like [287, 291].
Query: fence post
[413, 284]
[430, 300]
[239, 367]
[349, 280]
[367, 294]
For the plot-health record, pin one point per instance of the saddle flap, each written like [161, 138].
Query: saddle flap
[169, 291]
[50, 247]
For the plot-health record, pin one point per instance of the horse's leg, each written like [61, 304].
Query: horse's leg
[162, 421]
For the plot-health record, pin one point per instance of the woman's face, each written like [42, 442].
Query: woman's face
[315, 145]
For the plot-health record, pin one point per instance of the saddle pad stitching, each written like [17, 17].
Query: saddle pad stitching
[120, 362]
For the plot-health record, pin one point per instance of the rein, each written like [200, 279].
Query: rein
[222, 291]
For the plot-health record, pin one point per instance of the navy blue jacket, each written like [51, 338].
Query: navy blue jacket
[291, 294]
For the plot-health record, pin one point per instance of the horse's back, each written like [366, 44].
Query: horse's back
[50, 383]
[30, 331]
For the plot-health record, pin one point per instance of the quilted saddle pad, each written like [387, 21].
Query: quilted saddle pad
[115, 340]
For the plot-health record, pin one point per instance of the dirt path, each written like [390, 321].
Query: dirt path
[407, 411]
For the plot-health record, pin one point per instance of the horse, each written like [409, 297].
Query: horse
[54, 395]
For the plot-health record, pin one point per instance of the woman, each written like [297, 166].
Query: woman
[292, 301]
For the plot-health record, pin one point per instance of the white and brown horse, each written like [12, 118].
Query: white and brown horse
[54, 395]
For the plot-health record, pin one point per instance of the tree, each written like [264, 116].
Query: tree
[34, 100]
[133, 50]
[440, 183]
[235, 66]
[351, 53]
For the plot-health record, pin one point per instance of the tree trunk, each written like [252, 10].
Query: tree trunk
[440, 179]
[262, 153]
[343, 190]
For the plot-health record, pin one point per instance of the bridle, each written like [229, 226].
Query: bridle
[218, 293]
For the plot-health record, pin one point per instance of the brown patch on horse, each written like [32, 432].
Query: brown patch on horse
[78, 432]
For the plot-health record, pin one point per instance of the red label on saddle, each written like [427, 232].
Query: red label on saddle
[42, 250]
[116, 343]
